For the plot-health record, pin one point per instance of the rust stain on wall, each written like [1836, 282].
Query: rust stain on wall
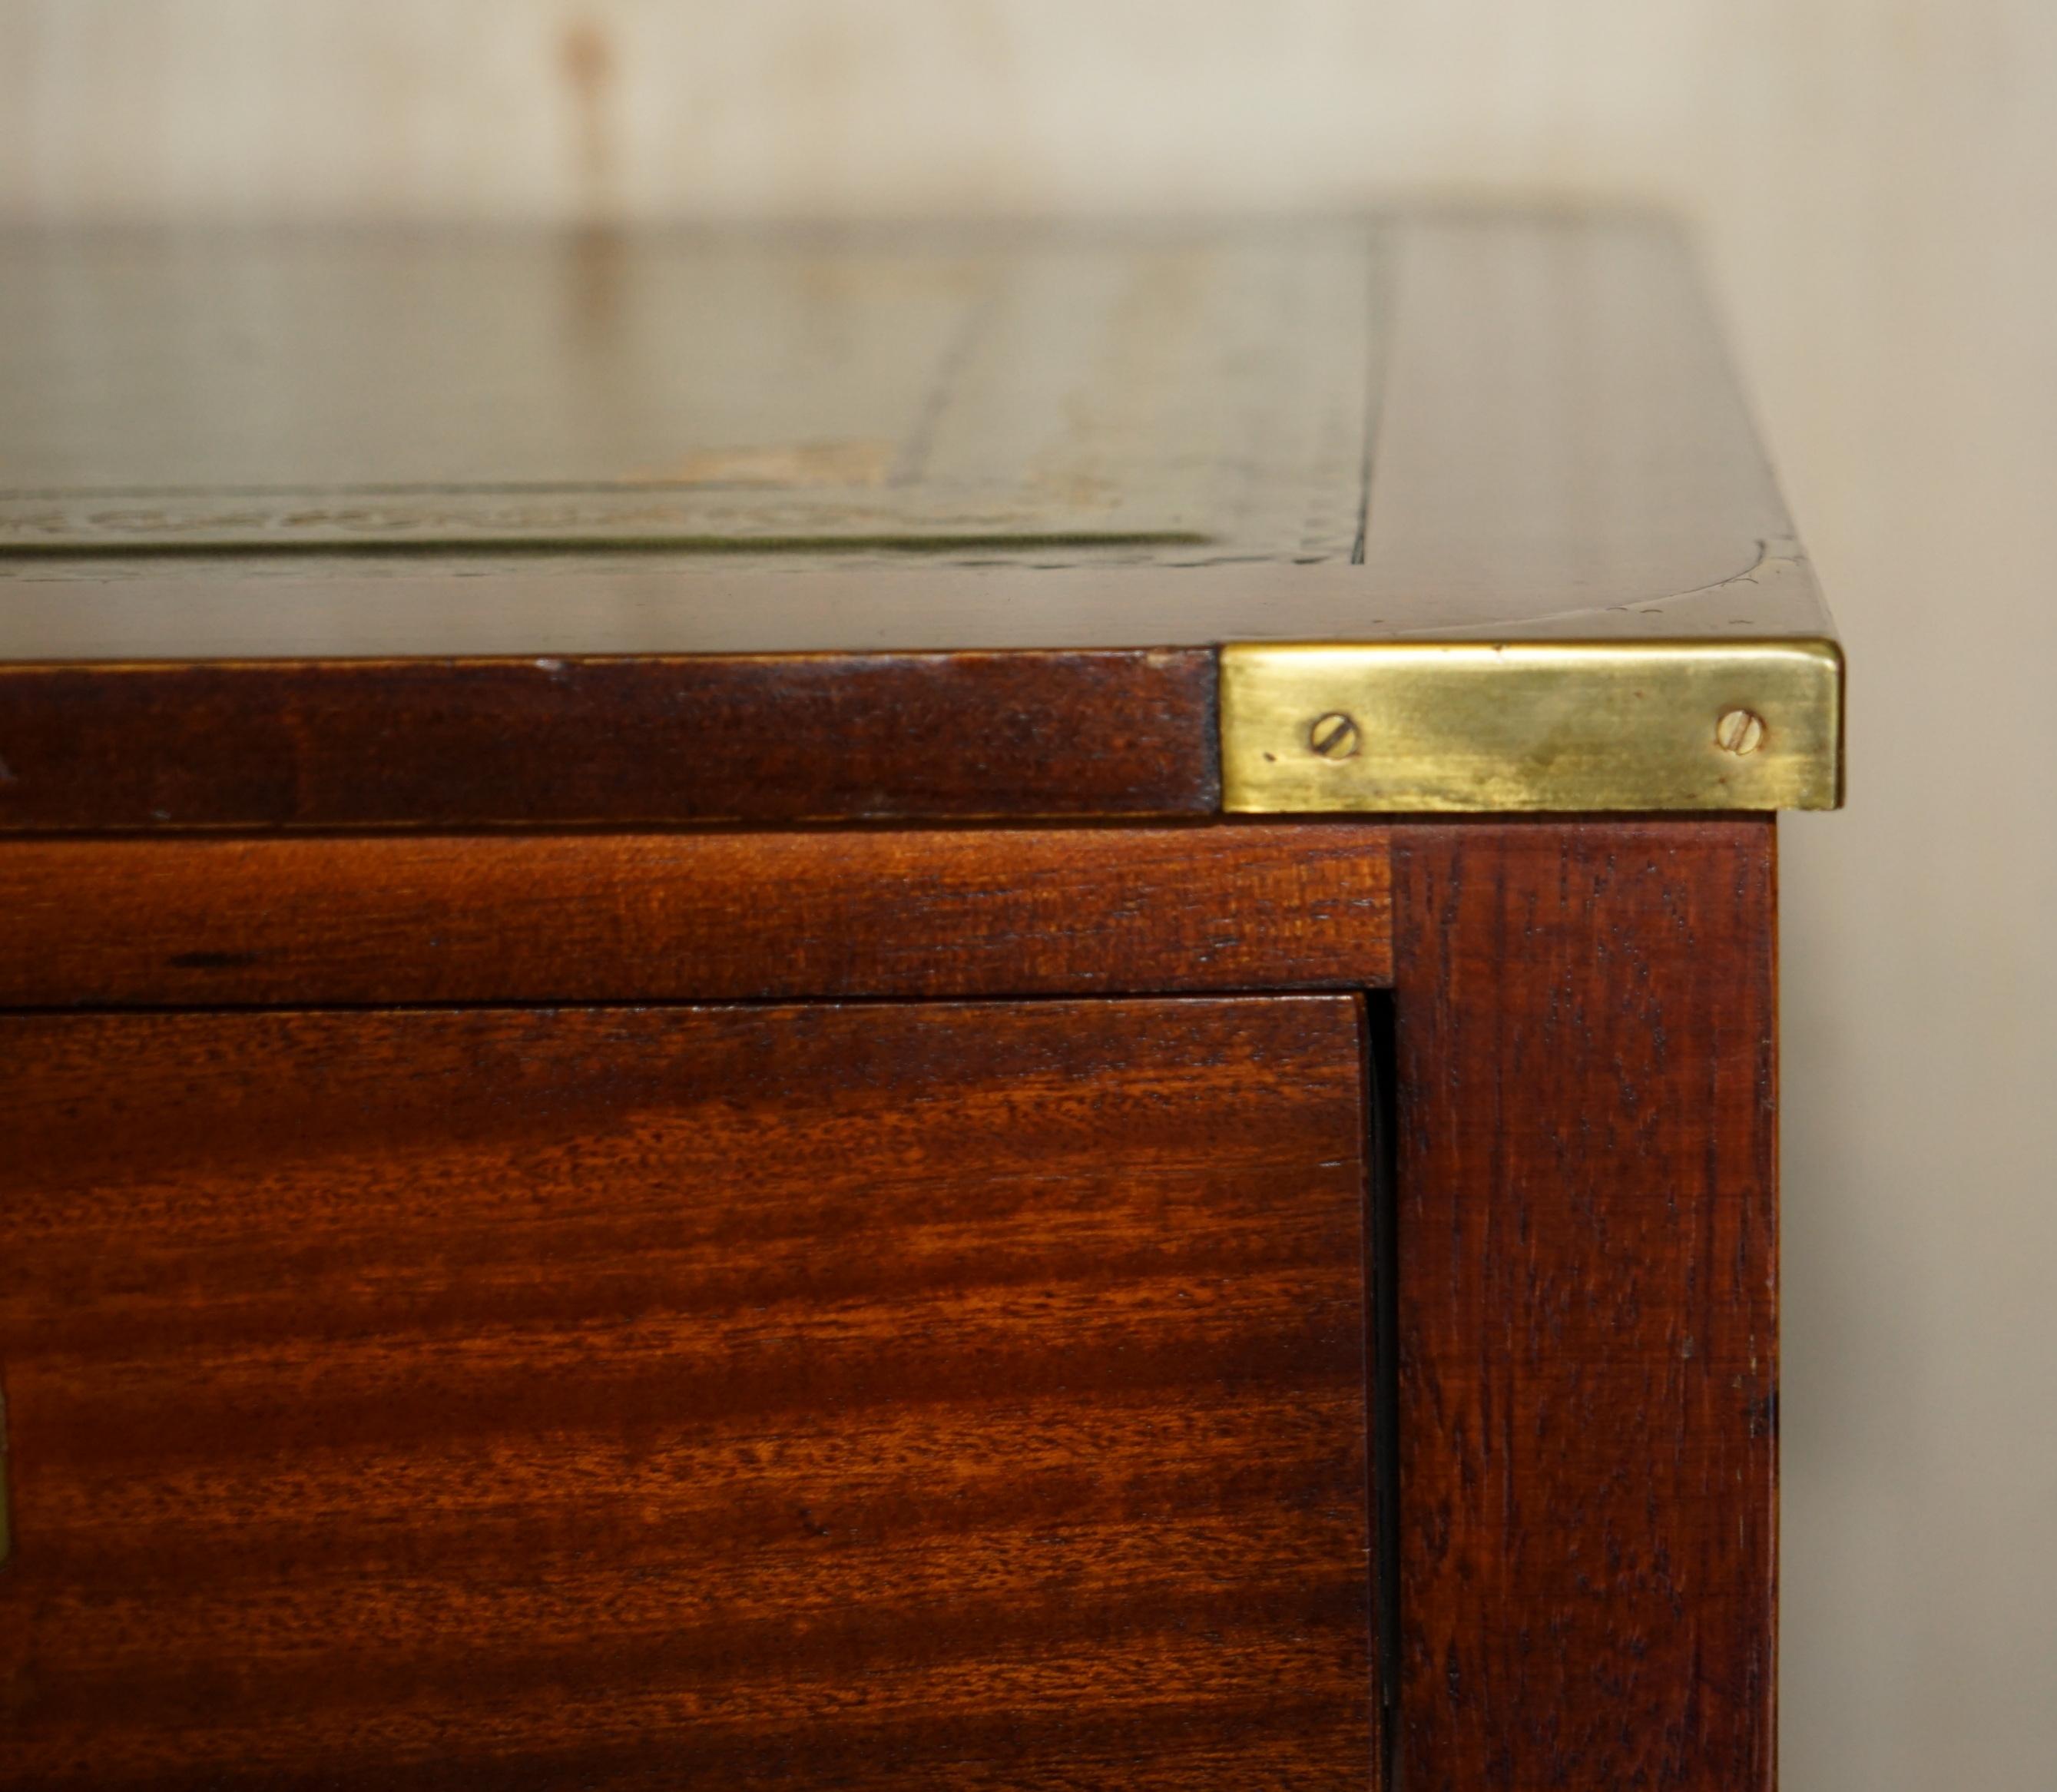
[586, 59]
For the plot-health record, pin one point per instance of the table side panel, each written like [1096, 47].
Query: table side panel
[1587, 1359]
[546, 741]
[889, 1395]
[710, 917]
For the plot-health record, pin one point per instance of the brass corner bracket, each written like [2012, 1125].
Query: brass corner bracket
[1396, 726]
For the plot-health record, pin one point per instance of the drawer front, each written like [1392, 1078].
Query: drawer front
[902, 1394]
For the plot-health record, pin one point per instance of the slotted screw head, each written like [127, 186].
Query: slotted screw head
[1334, 735]
[1739, 733]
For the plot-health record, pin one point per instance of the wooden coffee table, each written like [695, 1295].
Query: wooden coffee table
[968, 1008]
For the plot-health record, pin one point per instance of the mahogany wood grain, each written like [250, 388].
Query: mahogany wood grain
[1588, 1330]
[547, 742]
[939, 525]
[986, 911]
[931, 1395]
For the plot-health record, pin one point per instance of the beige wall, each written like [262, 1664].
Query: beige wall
[1877, 180]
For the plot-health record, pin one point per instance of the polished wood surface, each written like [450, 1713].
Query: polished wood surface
[710, 917]
[900, 1395]
[1529, 414]
[1378, 424]
[545, 742]
[1583, 1250]
[668, 528]
[1587, 1243]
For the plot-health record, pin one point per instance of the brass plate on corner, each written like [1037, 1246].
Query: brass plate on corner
[1308, 727]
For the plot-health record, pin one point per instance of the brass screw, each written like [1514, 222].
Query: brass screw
[1333, 736]
[1739, 733]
